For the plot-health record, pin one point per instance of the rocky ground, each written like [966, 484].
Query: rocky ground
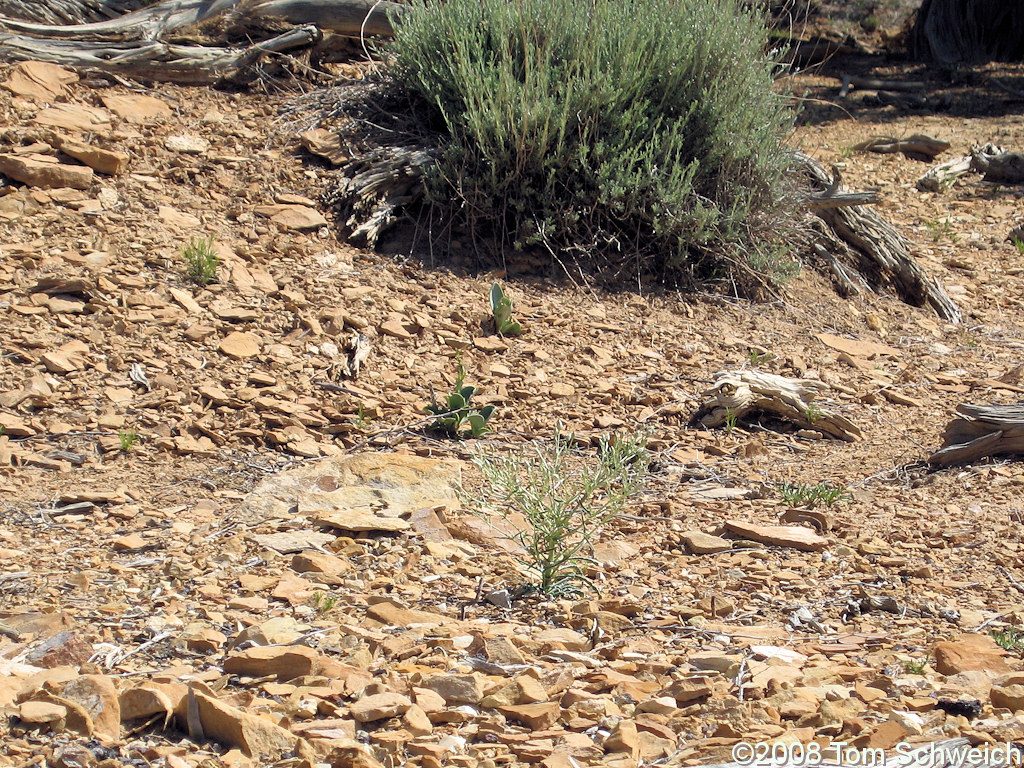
[218, 547]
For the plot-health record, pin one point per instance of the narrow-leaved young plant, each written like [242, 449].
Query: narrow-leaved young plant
[565, 504]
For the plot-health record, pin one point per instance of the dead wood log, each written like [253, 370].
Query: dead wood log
[374, 187]
[1006, 167]
[916, 147]
[873, 84]
[133, 44]
[352, 17]
[983, 430]
[153, 60]
[67, 11]
[744, 393]
[883, 254]
[942, 176]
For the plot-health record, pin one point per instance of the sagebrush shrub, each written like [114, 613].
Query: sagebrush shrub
[642, 128]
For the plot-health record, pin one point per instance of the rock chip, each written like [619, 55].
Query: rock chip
[257, 737]
[700, 543]
[189, 145]
[794, 536]
[394, 614]
[102, 160]
[39, 80]
[1008, 697]
[970, 653]
[66, 648]
[379, 706]
[136, 108]
[42, 712]
[286, 662]
[239, 345]
[297, 218]
[45, 172]
[536, 717]
[98, 696]
[455, 689]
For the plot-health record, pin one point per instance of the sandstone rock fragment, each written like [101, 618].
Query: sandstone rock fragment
[970, 653]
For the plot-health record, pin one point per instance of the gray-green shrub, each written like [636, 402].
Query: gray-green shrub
[643, 128]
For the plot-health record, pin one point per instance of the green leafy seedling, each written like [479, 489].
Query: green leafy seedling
[813, 413]
[501, 311]
[915, 667]
[565, 503]
[322, 603]
[128, 438]
[1019, 245]
[730, 420]
[801, 495]
[1009, 639]
[456, 417]
[201, 260]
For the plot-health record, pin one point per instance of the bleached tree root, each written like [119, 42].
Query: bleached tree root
[883, 254]
[373, 189]
[982, 430]
[133, 45]
[942, 176]
[740, 394]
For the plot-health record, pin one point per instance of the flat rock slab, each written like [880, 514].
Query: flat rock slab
[330, 512]
[700, 543]
[794, 536]
[381, 487]
[287, 542]
[45, 172]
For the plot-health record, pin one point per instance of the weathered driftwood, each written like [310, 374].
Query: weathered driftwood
[942, 176]
[153, 60]
[883, 254]
[983, 430]
[832, 197]
[805, 53]
[132, 45]
[1006, 167]
[345, 16]
[916, 147]
[740, 394]
[874, 84]
[67, 11]
[373, 188]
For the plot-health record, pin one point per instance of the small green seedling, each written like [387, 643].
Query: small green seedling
[1009, 639]
[564, 502]
[501, 311]
[1019, 245]
[201, 260]
[915, 667]
[361, 420]
[813, 413]
[128, 438]
[730, 420]
[941, 229]
[322, 603]
[456, 417]
[801, 495]
[757, 358]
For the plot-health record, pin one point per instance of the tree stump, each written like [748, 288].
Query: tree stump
[983, 430]
[736, 395]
